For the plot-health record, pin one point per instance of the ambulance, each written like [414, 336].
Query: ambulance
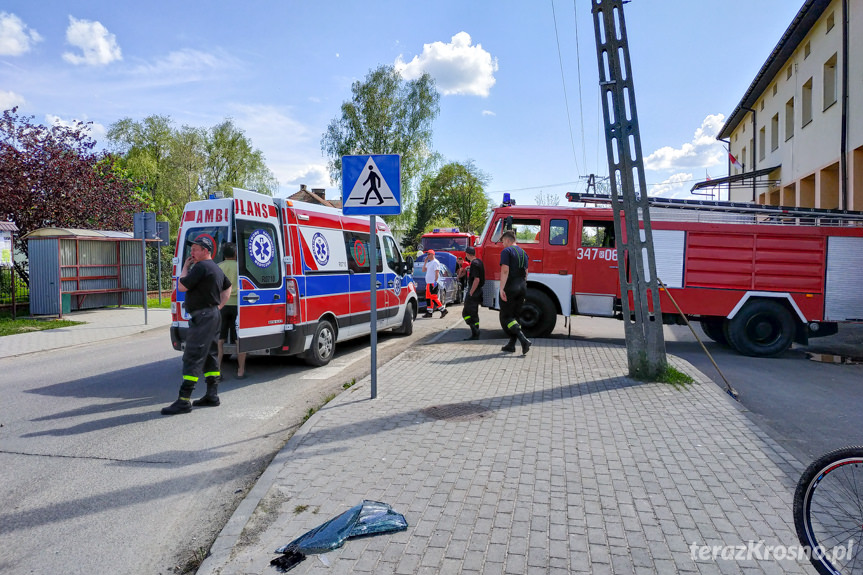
[304, 274]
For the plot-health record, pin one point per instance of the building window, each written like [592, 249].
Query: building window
[830, 82]
[742, 157]
[735, 136]
[761, 106]
[788, 73]
[762, 143]
[806, 96]
[775, 89]
[807, 49]
[789, 119]
[774, 132]
[831, 21]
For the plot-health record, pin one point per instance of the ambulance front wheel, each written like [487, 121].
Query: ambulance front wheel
[323, 344]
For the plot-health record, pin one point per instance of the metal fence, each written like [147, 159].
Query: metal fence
[10, 291]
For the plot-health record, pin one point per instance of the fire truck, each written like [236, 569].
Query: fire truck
[304, 274]
[757, 278]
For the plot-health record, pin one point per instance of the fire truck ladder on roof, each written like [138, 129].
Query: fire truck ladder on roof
[729, 207]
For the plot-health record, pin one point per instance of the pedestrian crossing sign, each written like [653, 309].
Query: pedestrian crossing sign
[371, 185]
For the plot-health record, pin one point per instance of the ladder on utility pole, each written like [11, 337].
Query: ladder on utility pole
[645, 344]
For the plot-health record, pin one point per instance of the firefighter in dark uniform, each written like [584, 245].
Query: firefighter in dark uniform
[473, 297]
[513, 287]
[207, 290]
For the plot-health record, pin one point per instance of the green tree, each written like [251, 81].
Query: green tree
[461, 189]
[233, 162]
[386, 115]
[178, 166]
[52, 177]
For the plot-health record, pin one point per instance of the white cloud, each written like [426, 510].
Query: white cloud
[96, 131]
[488, 113]
[186, 62]
[98, 46]
[291, 149]
[457, 67]
[677, 186]
[15, 37]
[703, 151]
[10, 100]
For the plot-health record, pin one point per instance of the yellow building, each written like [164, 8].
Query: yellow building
[797, 132]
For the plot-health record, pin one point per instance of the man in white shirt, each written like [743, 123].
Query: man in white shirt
[431, 268]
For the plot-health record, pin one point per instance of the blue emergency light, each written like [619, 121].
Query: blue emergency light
[507, 201]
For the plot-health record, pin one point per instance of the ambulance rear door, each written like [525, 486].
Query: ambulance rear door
[261, 295]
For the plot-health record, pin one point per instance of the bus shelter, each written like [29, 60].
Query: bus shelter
[75, 269]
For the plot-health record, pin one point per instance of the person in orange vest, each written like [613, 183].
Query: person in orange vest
[431, 268]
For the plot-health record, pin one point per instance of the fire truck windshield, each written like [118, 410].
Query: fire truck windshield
[444, 244]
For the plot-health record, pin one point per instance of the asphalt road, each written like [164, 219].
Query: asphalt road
[93, 479]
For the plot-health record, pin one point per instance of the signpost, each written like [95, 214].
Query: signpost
[144, 227]
[371, 186]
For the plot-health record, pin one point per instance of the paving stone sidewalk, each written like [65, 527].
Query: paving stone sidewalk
[99, 325]
[551, 463]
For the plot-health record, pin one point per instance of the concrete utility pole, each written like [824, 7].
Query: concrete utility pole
[645, 345]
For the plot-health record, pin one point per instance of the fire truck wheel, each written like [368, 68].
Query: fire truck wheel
[538, 315]
[762, 328]
[323, 344]
[714, 328]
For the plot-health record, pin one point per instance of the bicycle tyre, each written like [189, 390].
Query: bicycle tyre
[822, 521]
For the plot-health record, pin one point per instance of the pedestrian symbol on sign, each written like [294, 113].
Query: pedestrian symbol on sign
[372, 181]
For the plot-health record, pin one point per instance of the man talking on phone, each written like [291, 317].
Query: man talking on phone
[207, 291]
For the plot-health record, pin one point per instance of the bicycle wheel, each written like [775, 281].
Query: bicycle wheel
[828, 511]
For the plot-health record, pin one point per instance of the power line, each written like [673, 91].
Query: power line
[565, 98]
[580, 93]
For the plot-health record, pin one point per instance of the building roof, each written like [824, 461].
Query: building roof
[8, 227]
[803, 22]
[315, 196]
[77, 233]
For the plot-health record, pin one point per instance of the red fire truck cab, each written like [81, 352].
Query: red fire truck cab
[757, 283]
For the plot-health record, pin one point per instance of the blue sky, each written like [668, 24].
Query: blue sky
[281, 69]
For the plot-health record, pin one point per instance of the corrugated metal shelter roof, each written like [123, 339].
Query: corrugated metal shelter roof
[77, 233]
[8, 227]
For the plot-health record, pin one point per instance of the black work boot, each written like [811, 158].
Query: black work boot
[510, 347]
[183, 403]
[211, 398]
[474, 333]
[525, 343]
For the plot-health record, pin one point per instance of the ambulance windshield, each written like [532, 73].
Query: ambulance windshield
[217, 234]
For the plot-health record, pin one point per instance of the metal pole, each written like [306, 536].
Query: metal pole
[144, 274]
[159, 256]
[373, 269]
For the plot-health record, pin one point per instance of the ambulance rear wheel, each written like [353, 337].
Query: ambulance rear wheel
[762, 328]
[407, 327]
[323, 344]
[714, 328]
